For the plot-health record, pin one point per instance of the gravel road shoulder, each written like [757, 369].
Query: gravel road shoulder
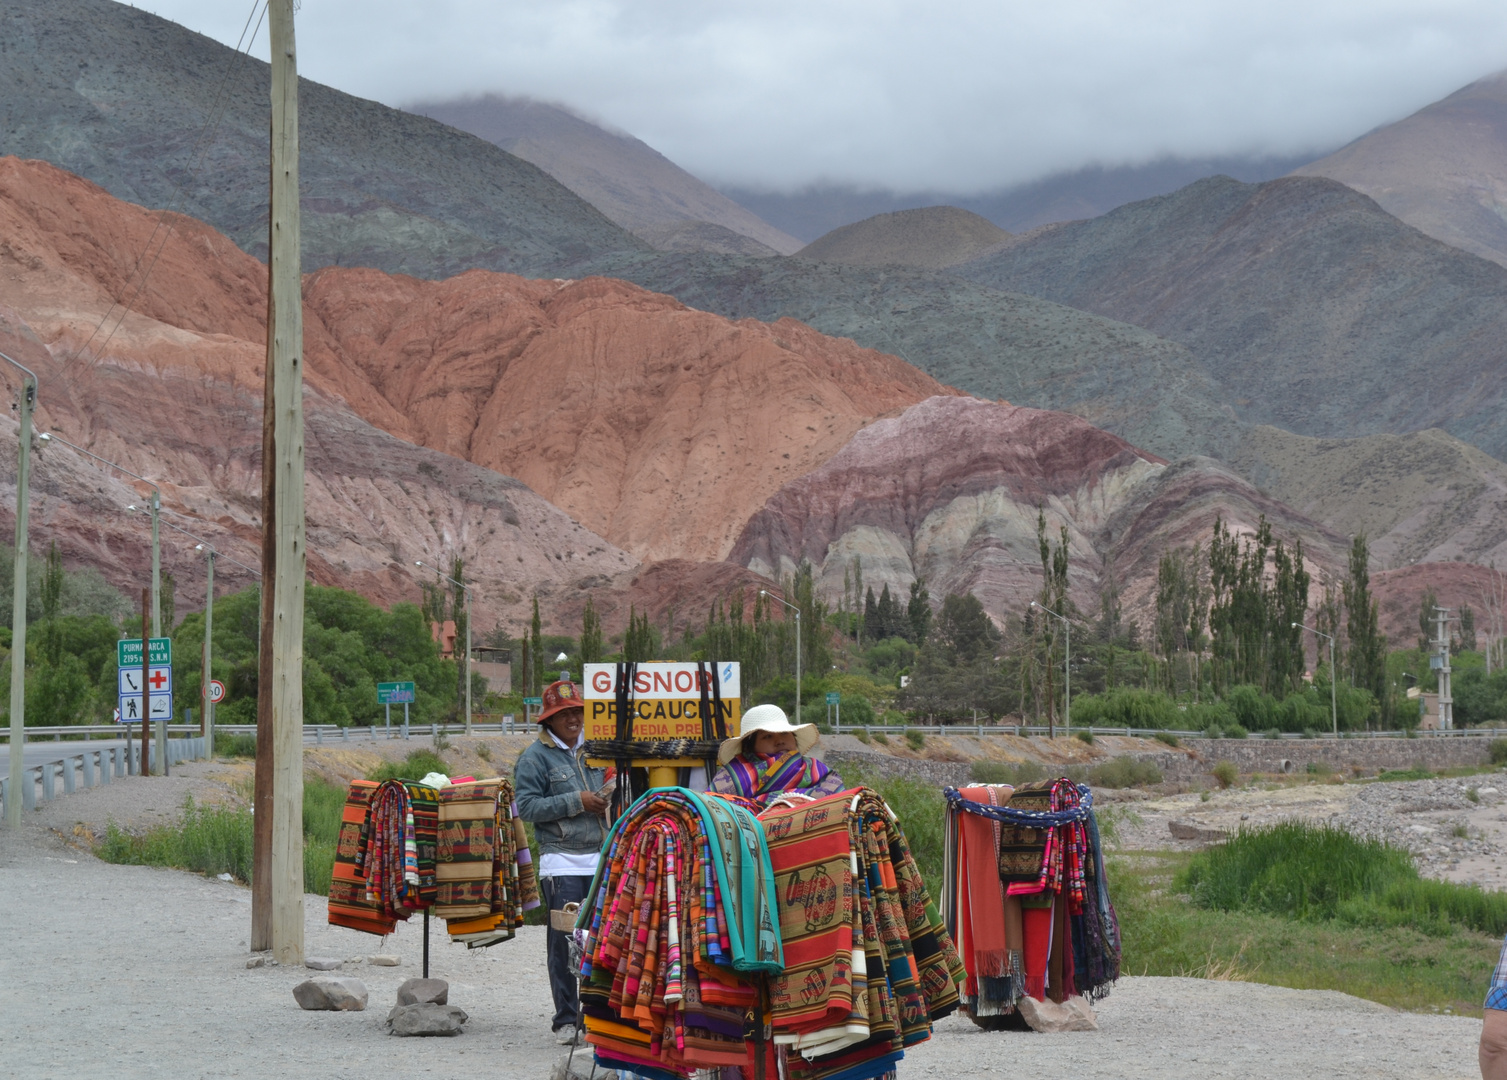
[127, 971]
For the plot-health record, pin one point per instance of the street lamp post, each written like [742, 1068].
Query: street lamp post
[210, 554]
[1067, 667]
[1334, 712]
[18, 609]
[467, 665]
[792, 607]
[154, 508]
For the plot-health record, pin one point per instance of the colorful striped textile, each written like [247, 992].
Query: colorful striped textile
[869, 965]
[762, 777]
[348, 905]
[1061, 933]
[679, 922]
[458, 850]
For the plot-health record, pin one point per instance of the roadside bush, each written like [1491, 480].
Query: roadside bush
[1124, 772]
[1316, 872]
[1225, 774]
[214, 840]
[862, 736]
[1013, 773]
[415, 766]
[1319, 768]
[1235, 731]
[1084, 735]
[1213, 731]
[1127, 708]
[232, 745]
[915, 738]
[1166, 737]
[1498, 750]
[881, 738]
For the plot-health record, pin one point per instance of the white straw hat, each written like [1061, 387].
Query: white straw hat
[767, 718]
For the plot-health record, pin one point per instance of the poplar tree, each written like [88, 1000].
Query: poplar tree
[591, 635]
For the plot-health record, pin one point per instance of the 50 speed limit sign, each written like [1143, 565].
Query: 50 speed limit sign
[216, 691]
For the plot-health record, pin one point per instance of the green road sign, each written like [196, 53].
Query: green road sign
[128, 652]
[395, 693]
[834, 698]
[536, 702]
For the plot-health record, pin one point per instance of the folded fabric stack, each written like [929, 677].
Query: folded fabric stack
[458, 851]
[869, 966]
[680, 926]
[1025, 895]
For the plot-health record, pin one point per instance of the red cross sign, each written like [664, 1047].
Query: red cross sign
[157, 679]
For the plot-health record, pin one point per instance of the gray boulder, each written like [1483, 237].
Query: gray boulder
[426, 1018]
[321, 963]
[424, 992]
[331, 992]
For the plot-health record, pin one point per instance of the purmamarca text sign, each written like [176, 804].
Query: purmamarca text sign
[666, 699]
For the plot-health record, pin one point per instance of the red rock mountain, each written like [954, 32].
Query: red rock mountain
[640, 418]
[949, 491]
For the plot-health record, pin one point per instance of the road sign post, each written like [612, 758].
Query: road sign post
[834, 703]
[396, 693]
[144, 687]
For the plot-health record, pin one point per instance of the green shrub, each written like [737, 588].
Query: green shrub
[1225, 774]
[862, 736]
[1213, 731]
[1126, 708]
[233, 745]
[416, 766]
[915, 738]
[1473, 795]
[1166, 737]
[1252, 708]
[1498, 750]
[881, 738]
[1319, 768]
[1314, 872]
[217, 839]
[1124, 772]
[1417, 772]
[1085, 735]
[1273, 733]
[1235, 731]
[1013, 773]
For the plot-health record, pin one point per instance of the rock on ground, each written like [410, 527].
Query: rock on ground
[422, 991]
[331, 992]
[426, 1018]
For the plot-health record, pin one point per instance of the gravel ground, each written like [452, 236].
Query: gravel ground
[138, 972]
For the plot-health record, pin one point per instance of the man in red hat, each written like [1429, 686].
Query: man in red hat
[558, 792]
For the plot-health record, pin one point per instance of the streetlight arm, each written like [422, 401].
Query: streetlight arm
[48, 436]
[797, 610]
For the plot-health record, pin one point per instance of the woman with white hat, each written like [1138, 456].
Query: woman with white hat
[768, 759]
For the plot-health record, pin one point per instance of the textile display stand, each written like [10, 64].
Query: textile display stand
[1026, 899]
[457, 851]
[793, 940]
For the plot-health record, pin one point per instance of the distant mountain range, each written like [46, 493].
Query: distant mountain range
[629, 181]
[1069, 196]
[1443, 170]
[1311, 307]
[1285, 347]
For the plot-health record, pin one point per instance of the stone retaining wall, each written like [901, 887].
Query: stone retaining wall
[1294, 755]
[1193, 760]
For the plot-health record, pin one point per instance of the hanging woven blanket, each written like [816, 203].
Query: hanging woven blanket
[869, 965]
[678, 921]
[349, 906]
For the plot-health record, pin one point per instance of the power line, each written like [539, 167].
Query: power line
[201, 147]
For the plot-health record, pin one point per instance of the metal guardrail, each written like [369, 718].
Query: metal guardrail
[90, 768]
[86, 732]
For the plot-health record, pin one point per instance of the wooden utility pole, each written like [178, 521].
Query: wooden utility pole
[146, 687]
[277, 860]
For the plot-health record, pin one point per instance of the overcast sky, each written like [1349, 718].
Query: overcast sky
[952, 95]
